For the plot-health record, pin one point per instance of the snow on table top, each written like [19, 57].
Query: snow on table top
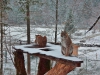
[55, 51]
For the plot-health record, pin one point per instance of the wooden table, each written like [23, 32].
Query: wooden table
[51, 52]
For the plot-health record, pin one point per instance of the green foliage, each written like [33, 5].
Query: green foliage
[4, 8]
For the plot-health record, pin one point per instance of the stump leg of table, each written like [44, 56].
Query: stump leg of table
[61, 69]
[19, 63]
[44, 66]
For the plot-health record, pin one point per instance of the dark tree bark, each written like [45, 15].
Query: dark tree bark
[19, 63]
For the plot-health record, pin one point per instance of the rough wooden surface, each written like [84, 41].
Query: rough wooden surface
[44, 66]
[19, 63]
[61, 69]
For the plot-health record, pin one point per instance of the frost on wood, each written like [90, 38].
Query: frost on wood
[19, 62]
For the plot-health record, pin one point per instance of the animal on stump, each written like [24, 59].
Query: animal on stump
[66, 44]
[41, 40]
[67, 47]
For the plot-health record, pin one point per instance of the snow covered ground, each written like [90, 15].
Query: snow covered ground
[89, 55]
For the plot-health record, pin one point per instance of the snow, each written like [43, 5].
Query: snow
[40, 29]
[55, 51]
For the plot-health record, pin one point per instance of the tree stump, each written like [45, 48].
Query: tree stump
[44, 66]
[61, 69]
[19, 62]
[75, 50]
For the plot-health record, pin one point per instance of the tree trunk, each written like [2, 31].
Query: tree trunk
[28, 22]
[56, 21]
[44, 66]
[19, 63]
[1, 40]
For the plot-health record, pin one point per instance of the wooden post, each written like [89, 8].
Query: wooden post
[19, 62]
[28, 21]
[44, 66]
[28, 64]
